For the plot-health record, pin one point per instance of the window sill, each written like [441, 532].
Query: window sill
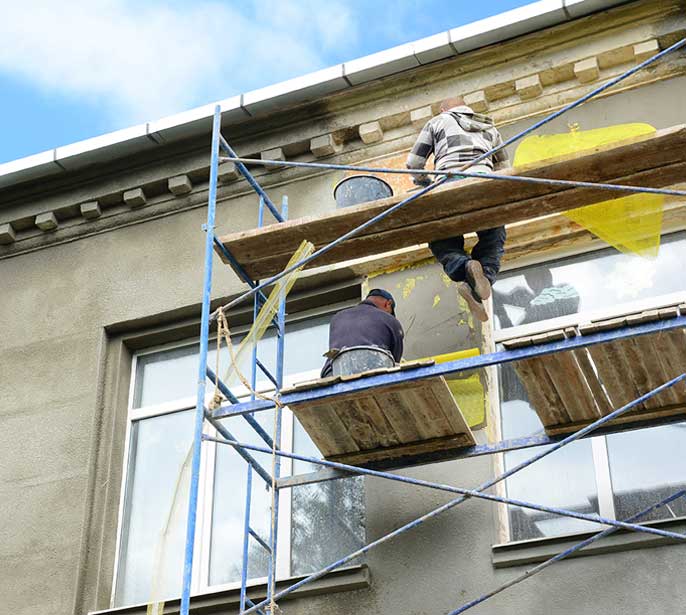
[345, 579]
[540, 549]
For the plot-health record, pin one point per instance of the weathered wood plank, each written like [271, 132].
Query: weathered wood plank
[466, 205]
[643, 416]
[610, 374]
[657, 375]
[543, 397]
[570, 384]
[324, 433]
[455, 442]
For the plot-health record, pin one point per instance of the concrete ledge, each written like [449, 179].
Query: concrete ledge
[540, 549]
[227, 172]
[345, 579]
[419, 117]
[324, 145]
[587, 70]
[477, 101]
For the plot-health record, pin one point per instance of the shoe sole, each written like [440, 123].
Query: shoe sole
[482, 286]
[475, 307]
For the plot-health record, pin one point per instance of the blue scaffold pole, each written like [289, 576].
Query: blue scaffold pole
[202, 368]
[560, 556]
[280, 350]
[481, 488]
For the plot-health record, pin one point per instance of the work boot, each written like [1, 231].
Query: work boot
[474, 303]
[476, 279]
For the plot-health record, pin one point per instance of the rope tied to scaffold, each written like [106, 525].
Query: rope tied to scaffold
[224, 333]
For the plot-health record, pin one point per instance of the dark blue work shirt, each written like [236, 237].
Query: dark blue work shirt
[365, 325]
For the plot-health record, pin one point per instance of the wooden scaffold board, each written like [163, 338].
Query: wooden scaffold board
[465, 206]
[571, 389]
[384, 422]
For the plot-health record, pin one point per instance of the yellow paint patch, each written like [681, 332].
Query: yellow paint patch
[437, 300]
[468, 390]
[632, 224]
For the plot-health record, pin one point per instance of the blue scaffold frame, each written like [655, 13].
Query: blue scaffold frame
[333, 470]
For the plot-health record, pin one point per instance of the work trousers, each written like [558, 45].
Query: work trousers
[488, 251]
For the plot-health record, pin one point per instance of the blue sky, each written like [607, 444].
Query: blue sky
[76, 69]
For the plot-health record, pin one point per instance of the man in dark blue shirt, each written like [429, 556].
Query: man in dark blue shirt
[370, 323]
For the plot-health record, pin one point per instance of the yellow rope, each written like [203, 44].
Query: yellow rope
[224, 333]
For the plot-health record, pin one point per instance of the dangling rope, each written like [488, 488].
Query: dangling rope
[223, 333]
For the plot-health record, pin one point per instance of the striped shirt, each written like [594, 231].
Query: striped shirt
[455, 137]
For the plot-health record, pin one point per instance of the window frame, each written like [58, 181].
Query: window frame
[200, 582]
[599, 446]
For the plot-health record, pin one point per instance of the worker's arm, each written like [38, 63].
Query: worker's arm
[423, 148]
[500, 159]
[397, 335]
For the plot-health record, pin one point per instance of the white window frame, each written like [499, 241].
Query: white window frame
[601, 459]
[200, 581]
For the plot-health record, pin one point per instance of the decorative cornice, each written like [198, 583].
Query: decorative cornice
[515, 94]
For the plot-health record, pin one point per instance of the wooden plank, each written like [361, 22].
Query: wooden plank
[356, 424]
[399, 415]
[543, 397]
[585, 364]
[644, 416]
[456, 442]
[449, 407]
[324, 428]
[465, 206]
[638, 369]
[610, 375]
[570, 384]
[672, 348]
[657, 375]
[427, 412]
[386, 435]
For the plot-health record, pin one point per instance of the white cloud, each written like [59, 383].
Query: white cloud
[141, 60]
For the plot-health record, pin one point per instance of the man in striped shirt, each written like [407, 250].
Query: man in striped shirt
[458, 135]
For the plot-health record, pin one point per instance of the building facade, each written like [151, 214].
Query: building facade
[101, 248]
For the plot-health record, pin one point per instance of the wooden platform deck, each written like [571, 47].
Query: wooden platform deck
[383, 423]
[468, 205]
[571, 389]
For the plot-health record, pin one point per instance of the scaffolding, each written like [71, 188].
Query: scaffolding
[332, 470]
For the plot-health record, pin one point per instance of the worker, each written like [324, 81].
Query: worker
[369, 323]
[455, 136]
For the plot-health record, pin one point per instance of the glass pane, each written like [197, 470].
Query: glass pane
[335, 509]
[565, 479]
[166, 375]
[571, 285]
[228, 514]
[647, 466]
[169, 375]
[154, 522]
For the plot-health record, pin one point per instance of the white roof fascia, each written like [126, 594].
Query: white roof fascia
[98, 149]
[195, 121]
[519, 21]
[381, 64]
[433, 48]
[28, 167]
[293, 91]
[579, 8]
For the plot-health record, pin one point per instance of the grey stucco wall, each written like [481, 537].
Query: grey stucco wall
[63, 380]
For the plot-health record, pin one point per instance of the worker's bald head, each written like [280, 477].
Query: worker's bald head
[449, 103]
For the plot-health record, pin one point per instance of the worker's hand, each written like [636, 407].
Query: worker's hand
[421, 180]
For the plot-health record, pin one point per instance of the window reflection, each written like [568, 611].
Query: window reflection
[587, 282]
[565, 479]
[334, 509]
[647, 466]
[155, 511]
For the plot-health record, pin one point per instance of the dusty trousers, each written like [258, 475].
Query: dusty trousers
[489, 250]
